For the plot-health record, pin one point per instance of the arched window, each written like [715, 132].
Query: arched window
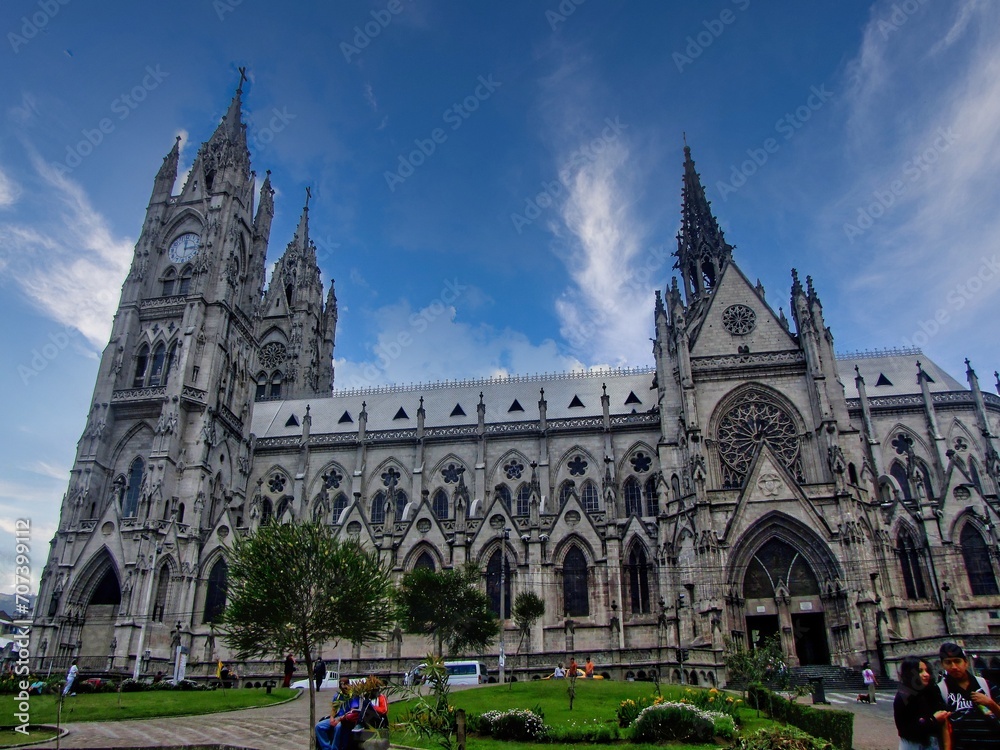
[633, 497]
[523, 500]
[591, 497]
[401, 501]
[652, 501]
[215, 595]
[184, 283]
[424, 561]
[141, 362]
[440, 504]
[284, 505]
[320, 510]
[169, 282]
[564, 491]
[156, 370]
[261, 393]
[898, 472]
[339, 505]
[378, 508]
[638, 579]
[162, 587]
[276, 384]
[180, 513]
[493, 584]
[171, 361]
[575, 582]
[503, 495]
[978, 565]
[675, 487]
[266, 511]
[925, 475]
[852, 474]
[909, 562]
[135, 473]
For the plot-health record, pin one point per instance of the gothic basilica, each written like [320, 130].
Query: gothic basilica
[746, 484]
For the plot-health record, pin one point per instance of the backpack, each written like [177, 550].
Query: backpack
[943, 687]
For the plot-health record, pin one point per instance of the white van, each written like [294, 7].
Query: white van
[459, 673]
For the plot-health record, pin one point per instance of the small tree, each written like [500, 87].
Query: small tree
[294, 587]
[528, 608]
[449, 607]
[748, 665]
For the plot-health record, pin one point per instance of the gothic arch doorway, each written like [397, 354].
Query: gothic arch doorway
[778, 569]
[101, 596]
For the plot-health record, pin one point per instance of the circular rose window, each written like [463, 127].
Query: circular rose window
[739, 320]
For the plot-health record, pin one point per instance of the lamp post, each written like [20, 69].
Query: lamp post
[145, 611]
[504, 536]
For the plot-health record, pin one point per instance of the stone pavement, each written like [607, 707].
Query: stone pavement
[283, 727]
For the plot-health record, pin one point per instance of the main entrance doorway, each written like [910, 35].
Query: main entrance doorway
[761, 628]
[809, 631]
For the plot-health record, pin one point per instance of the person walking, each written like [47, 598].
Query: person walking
[870, 682]
[70, 679]
[918, 709]
[974, 715]
[319, 672]
[289, 670]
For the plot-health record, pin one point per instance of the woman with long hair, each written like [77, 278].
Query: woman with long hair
[918, 708]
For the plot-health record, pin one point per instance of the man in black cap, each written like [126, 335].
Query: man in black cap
[974, 714]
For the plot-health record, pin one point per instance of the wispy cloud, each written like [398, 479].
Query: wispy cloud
[69, 264]
[10, 191]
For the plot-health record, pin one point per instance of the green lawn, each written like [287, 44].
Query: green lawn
[596, 700]
[106, 707]
[10, 737]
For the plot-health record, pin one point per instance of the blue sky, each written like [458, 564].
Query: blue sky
[499, 183]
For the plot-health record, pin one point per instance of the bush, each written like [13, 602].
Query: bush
[835, 726]
[781, 738]
[665, 722]
[713, 700]
[592, 732]
[629, 709]
[517, 724]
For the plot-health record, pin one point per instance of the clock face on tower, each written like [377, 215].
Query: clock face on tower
[184, 248]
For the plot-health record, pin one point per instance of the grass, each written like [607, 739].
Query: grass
[156, 703]
[9, 737]
[595, 701]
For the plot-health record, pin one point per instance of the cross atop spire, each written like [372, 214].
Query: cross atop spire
[702, 250]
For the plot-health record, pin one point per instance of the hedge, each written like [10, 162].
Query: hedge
[832, 725]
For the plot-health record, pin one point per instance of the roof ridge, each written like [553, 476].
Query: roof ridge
[899, 351]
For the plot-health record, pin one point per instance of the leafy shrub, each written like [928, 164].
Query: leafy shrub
[781, 738]
[713, 700]
[132, 686]
[835, 726]
[629, 709]
[592, 732]
[516, 724]
[665, 722]
[725, 726]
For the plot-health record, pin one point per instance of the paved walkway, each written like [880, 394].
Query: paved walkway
[283, 727]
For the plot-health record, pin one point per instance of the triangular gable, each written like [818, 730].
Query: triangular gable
[292, 421]
[882, 380]
[458, 411]
[632, 399]
[710, 337]
[401, 414]
[576, 402]
[345, 418]
[516, 406]
[769, 485]
[584, 527]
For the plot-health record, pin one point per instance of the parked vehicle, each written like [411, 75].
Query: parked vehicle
[459, 673]
[330, 682]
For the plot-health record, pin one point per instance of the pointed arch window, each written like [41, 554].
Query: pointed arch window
[909, 563]
[424, 561]
[156, 369]
[320, 510]
[171, 362]
[575, 583]
[638, 581]
[633, 497]
[503, 495]
[276, 379]
[378, 508]
[184, 282]
[493, 584]
[591, 497]
[978, 562]
[675, 487]
[565, 490]
[162, 588]
[652, 501]
[141, 363]
[266, 510]
[898, 472]
[215, 594]
[523, 500]
[401, 501]
[261, 392]
[135, 473]
[439, 504]
[169, 282]
[339, 506]
[925, 475]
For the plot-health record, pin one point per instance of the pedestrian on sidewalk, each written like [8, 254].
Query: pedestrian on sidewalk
[289, 670]
[974, 715]
[918, 708]
[870, 682]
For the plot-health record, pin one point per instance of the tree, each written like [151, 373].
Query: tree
[294, 587]
[747, 665]
[447, 606]
[528, 608]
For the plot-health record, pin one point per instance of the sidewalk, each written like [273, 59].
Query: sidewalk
[874, 727]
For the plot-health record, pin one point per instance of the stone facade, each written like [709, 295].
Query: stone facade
[747, 483]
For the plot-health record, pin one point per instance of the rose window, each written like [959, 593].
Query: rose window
[276, 483]
[754, 422]
[272, 355]
[452, 473]
[390, 476]
[332, 479]
[514, 469]
[641, 462]
[739, 320]
[577, 466]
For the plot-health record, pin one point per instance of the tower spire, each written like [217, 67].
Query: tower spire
[702, 250]
[163, 185]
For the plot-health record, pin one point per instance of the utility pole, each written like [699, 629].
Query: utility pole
[504, 536]
[144, 615]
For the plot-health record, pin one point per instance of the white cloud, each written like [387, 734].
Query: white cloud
[10, 191]
[68, 264]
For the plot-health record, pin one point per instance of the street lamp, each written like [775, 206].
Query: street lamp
[504, 536]
[145, 610]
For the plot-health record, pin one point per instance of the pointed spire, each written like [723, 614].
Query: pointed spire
[265, 206]
[302, 232]
[702, 250]
[163, 185]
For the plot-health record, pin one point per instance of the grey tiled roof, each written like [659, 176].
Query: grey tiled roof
[899, 368]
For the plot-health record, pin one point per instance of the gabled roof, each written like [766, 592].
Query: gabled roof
[899, 366]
